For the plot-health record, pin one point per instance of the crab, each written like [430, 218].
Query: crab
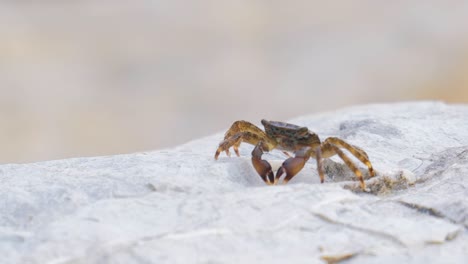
[302, 142]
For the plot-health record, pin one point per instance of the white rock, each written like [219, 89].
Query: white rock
[182, 206]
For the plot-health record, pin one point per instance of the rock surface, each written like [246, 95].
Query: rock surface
[181, 206]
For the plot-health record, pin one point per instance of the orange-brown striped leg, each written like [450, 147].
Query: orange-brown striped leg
[243, 126]
[318, 156]
[262, 167]
[330, 148]
[292, 166]
[227, 143]
[253, 135]
[247, 137]
[236, 149]
[357, 152]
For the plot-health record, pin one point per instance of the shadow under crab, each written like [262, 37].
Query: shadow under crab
[303, 143]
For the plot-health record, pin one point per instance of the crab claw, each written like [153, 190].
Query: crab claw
[291, 167]
[264, 169]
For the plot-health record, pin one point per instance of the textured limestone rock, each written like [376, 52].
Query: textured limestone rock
[181, 206]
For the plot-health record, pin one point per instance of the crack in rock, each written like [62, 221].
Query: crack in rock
[382, 235]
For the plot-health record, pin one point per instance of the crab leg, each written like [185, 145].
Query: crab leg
[328, 147]
[227, 143]
[357, 152]
[262, 167]
[318, 157]
[243, 131]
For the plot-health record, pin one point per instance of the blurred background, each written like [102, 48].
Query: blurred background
[102, 77]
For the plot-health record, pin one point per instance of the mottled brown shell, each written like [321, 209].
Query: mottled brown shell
[289, 136]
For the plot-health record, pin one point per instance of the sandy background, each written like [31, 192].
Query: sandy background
[85, 78]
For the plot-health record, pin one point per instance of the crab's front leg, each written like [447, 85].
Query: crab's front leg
[262, 167]
[242, 131]
[292, 166]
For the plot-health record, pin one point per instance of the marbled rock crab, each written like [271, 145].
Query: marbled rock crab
[303, 143]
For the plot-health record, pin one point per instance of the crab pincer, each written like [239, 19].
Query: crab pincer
[292, 166]
[262, 167]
